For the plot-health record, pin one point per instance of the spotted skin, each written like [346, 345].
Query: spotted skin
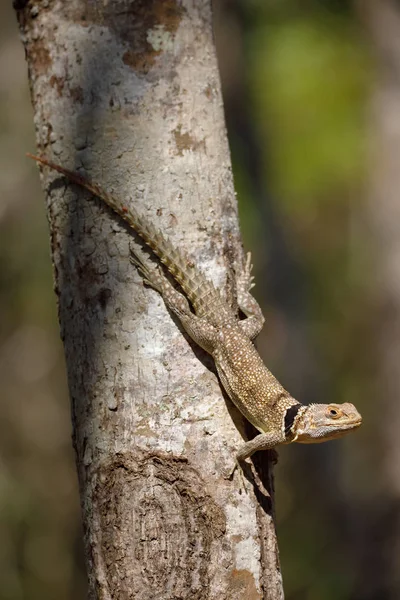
[215, 326]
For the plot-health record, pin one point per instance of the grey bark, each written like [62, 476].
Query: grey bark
[131, 92]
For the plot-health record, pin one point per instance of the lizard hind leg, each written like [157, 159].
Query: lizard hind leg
[154, 277]
[252, 325]
[150, 276]
[201, 331]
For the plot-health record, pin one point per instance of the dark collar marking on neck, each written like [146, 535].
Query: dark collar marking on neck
[290, 416]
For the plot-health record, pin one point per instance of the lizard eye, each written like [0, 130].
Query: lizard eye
[333, 412]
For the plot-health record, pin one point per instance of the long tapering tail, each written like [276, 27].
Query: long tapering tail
[200, 291]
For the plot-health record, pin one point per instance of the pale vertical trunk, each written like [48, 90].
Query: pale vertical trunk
[130, 91]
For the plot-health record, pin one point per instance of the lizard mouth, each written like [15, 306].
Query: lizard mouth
[351, 423]
[341, 429]
[336, 430]
[344, 429]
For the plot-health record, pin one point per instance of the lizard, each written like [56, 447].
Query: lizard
[215, 325]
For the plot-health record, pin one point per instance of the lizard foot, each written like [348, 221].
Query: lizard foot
[247, 471]
[151, 277]
[245, 281]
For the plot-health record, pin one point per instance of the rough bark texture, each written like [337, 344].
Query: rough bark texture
[130, 90]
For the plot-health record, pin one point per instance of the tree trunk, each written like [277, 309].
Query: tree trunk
[130, 90]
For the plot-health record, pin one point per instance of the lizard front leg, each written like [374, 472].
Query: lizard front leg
[251, 326]
[263, 441]
[201, 331]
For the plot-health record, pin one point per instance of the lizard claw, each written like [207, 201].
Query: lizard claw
[245, 280]
[143, 270]
[240, 469]
[248, 269]
[231, 472]
[151, 277]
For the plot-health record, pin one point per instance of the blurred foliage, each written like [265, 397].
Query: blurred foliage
[308, 80]
[305, 80]
[40, 532]
[304, 70]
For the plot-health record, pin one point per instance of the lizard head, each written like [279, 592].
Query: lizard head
[322, 422]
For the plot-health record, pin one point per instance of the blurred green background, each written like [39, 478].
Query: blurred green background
[299, 81]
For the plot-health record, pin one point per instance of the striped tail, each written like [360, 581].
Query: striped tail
[199, 290]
